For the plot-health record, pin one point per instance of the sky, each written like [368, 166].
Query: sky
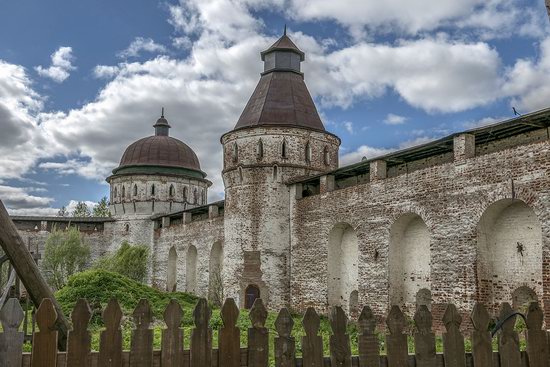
[81, 80]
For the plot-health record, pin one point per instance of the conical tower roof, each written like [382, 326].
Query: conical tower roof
[281, 97]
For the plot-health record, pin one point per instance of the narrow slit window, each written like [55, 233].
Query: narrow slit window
[152, 189]
[283, 149]
[135, 190]
[260, 149]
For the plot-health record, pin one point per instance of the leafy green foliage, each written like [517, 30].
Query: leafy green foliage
[99, 286]
[102, 208]
[65, 253]
[128, 260]
[81, 210]
[62, 212]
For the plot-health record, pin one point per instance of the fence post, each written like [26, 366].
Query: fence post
[537, 348]
[340, 348]
[396, 341]
[508, 340]
[229, 336]
[44, 342]
[79, 339]
[258, 336]
[285, 345]
[11, 340]
[312, 343]
[110, 342]
[141, 345]
[201, 336]
[453, 340]
[424, 338]
[369, 348]
[482, 348]
[172, 336]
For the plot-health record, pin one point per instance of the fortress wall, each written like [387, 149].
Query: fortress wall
[450, 198]
[202, 235]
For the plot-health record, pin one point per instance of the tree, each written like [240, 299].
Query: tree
[63, 212]
[65, 253]
[102, 208]
[128, 260]
[81, 210]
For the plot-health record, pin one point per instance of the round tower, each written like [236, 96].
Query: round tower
[157, 174]
[278, 137]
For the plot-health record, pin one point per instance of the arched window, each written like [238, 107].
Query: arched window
[308, 152]
[251, 293]
[153, 189]
[116, 192]
[235, 152]
[275, 173]
[126, 228]
[171, 191]
[123, 191]
[184, 193]
[171, 273]
[260, 149]
[326, 156]
[195, 196]
[203, 197]
[135, 190]
[283, 149]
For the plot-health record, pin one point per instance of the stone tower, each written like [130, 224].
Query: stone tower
[157, 174]
[279, 136]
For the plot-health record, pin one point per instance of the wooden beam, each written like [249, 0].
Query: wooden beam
[27, 270]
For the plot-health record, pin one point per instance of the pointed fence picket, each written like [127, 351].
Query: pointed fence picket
[231, 354]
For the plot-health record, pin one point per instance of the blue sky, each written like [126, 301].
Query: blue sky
[79, 81]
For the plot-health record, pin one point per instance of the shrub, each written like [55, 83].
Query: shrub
[128, 260]
[65, 253]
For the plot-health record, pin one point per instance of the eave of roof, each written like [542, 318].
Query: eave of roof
[203, 209]
[483, 135]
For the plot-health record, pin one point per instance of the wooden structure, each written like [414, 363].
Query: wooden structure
[25, 266]
[231, 354]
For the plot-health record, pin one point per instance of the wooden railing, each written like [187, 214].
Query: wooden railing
[230, 354]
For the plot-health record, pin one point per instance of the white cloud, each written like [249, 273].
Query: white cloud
[348, 125]
[393, 119]
[19, 198]
[434, 74]
[105, 71]
[61, 65]
[483, 122]
[490, 18]
[140, 44]
[71, 206]
[183, 43]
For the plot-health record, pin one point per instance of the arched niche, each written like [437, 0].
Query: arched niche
[191, 270]
[509, 240]
[409, 259]
[171, 270]
[343, 257]
[215, 281]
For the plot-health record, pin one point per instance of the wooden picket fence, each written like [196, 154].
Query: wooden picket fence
[230, 354]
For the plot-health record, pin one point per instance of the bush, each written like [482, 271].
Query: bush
[65, 253]
[99, 286]
[128, 260]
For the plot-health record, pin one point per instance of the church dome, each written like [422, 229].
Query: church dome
[159, 153]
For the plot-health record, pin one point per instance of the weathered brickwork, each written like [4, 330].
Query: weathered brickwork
[450, 198]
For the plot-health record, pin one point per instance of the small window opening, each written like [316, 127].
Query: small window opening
[135, 190]
[123, 192]
[308, 152]
[116, 192]
[260, 149]
[275, 173]
[127, 228]
[283, 149]
[152, 189]
[195, 196]
[171, 191]
[241, 175]
[235, 152]
[185, 193]
[326, 156]
[203, 197]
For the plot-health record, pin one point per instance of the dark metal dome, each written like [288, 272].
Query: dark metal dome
[160, 151]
